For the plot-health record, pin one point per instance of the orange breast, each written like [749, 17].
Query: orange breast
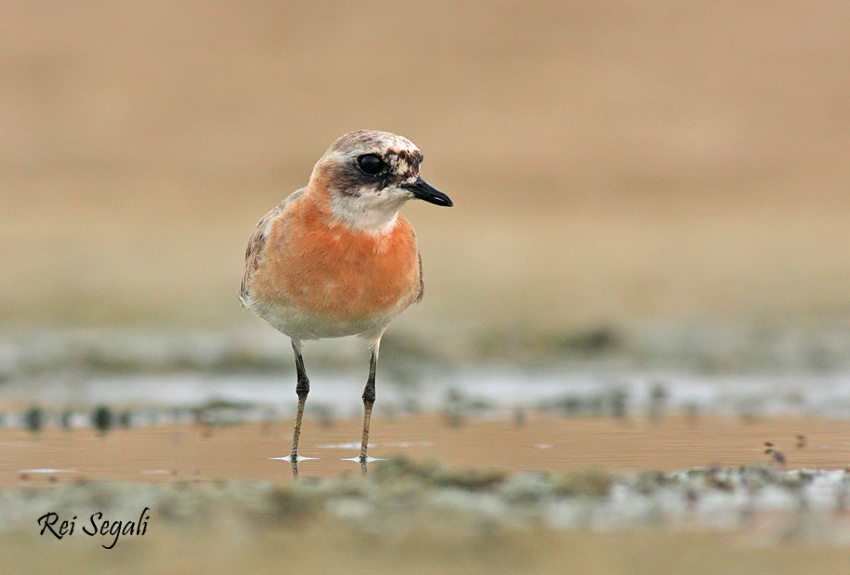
[338, 272]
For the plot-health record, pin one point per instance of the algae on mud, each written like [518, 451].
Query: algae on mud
[411, 517]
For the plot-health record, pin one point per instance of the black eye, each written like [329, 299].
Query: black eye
[370, 163]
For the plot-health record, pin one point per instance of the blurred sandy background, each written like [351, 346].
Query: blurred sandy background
[616, 167]
[611, 164]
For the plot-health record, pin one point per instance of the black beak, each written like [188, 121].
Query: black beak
[422, 190]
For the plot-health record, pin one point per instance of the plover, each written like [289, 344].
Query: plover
[336, 258]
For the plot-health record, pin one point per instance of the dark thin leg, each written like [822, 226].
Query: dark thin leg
[302, 388]
[368, 402]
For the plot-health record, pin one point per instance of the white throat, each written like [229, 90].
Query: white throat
[376, 214]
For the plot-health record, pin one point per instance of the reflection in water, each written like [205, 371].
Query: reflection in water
[385, 445]
[294, 461]
[350, 445]
[548, 442]
[364, 462]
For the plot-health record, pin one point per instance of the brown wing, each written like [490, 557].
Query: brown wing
[257, 243]
[421, 282]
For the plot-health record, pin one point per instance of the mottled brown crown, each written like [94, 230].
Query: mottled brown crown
[400, 154]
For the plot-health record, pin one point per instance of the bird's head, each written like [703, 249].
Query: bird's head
[370, 175]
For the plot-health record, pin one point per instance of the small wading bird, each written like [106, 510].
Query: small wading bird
[336, 258]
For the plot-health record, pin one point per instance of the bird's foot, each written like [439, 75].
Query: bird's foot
[363, 458]
[293, 458]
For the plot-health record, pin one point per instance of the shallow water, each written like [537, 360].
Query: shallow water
[487, 392]
[165, 377]
[541, 442]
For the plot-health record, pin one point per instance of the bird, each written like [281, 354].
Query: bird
[336, 258]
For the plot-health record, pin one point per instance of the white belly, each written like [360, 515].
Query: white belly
[298, 324]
